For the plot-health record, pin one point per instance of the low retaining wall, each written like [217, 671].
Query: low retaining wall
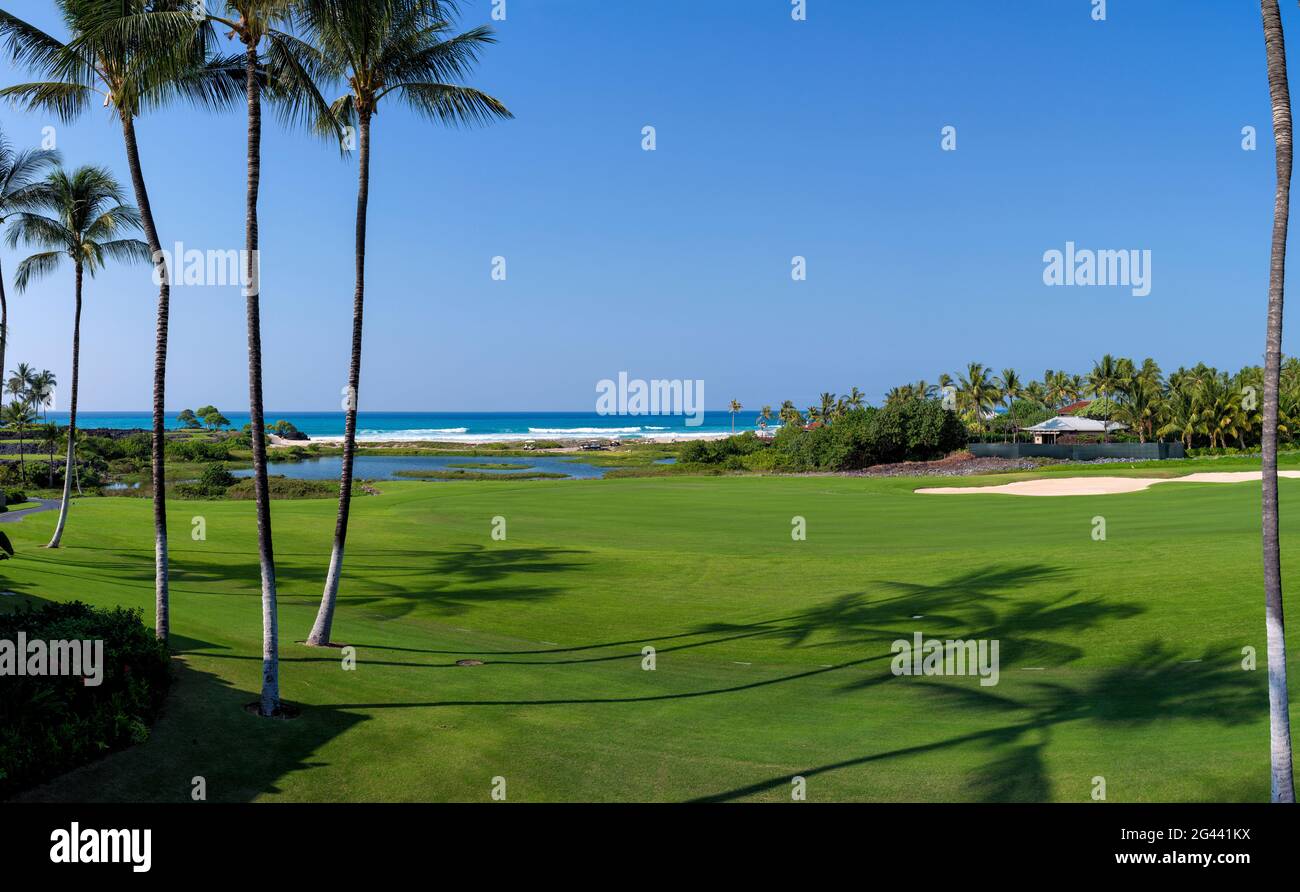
[1081, 451]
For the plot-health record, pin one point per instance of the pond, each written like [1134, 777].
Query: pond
[385, 467]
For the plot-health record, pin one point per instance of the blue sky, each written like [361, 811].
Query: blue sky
[775, 138]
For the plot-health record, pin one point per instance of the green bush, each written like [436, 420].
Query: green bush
[904, 430]
[52, 724]
[198, 450]
[289, 488]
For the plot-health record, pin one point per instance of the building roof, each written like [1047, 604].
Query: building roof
[1074, 425]
[1074, 407]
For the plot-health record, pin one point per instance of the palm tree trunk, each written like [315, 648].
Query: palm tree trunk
[22, 459]
[72, 418]
[320, 632]
[1283, 788]
[4, 321]
[162, 603]
[270, 704]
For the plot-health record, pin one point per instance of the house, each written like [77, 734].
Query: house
[1049, 430]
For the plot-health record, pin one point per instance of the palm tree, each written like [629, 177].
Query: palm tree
[976, 393]
[1106, 377]
[1011, 389]
[17, 172]
[764, 416]
[1283, 787]
[403, 51]
[50, 436]
[826, 411]
[286, 70]
[87, 219]
[19, 415]
[120, 55]
[856, 399]
[734, 408]
[789, 415]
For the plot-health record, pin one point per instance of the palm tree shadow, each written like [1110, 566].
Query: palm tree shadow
[1162, 684]
[204, 732]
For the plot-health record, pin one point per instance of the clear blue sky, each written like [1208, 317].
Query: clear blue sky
[775, 138]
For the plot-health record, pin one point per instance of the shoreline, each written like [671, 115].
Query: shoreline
[568, 442]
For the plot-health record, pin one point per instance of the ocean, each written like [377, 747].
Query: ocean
[459, 427]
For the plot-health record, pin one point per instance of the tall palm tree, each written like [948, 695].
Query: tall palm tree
[764, 416]
[43, 385]
[388, 52]
[976, 393]
[856, 399]
[87, 218]
[19, 415]
[18, 170]
[1011, 388]
[1283, 787]
[734, 409]
[788, 414]
[284, 69]
[1106, 377]
[50, 435]
[120, 55]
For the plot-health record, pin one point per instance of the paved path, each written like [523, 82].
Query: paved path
[45, 505]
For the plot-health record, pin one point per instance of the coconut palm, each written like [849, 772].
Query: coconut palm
[734, 409]
[764, 416]
[789, 415]
[976, 393]
[1283, 787]
[18, 170]
[1010, 388]
[282, 68]
[87, 219]
[18, 414]
[1106, 377]
[121, 54]
[388, 52]
[826, 411]
[856, 399]
[50, 435]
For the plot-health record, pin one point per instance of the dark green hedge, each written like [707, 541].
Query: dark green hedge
[50, 725]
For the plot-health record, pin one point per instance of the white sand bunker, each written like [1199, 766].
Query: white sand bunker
[1099, 486]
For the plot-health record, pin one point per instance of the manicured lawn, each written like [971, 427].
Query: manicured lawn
[1120, 658]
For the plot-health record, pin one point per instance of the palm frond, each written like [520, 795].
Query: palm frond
[37, 266]
[64, 101]
[451, 104]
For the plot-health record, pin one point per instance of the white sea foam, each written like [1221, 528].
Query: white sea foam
[580, 431]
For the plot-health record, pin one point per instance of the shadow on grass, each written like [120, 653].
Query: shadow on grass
[203, 732]
[1162, 684]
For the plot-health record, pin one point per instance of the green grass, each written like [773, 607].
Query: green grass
[487, 466]
[772, 655]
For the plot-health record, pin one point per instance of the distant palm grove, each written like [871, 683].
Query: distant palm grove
[1199, 406]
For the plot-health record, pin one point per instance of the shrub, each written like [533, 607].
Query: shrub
[51, 724]
[198, 450]
[289, 488]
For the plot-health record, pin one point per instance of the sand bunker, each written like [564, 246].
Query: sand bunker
[1099, 486]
